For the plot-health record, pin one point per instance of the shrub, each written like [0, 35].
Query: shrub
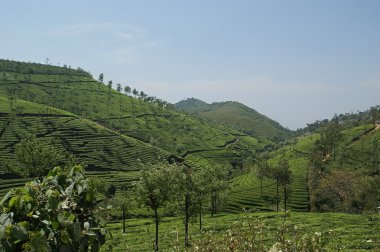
[254, 234]
[53, 215]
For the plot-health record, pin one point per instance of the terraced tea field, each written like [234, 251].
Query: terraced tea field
[245, 193]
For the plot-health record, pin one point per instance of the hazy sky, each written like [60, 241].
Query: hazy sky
[294, 61]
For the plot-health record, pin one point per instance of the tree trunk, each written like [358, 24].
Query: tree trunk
[200, 216]
[285, 197]
[156, 220]
[277, 200]
[212, 206]
[187, 203]
[123, 220]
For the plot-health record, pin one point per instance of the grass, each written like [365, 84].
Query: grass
[350, 232]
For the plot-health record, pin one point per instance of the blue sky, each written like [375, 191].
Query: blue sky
[294, 61]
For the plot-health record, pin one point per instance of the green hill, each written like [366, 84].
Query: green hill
[107, 129]
[237, 116]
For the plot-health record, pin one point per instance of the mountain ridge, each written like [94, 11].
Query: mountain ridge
[237, 116]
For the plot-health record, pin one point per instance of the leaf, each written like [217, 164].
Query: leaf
[77, 232]
[53, 199]
[14, 201]
[6, 197]
[65, 237]
[66, 218]
[6, 219]
[38, 243]
[80, 189]
[69, 189]
[19, 233]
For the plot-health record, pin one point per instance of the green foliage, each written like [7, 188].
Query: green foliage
[53, 215]
[213, 182]
[35, 68]
[35, 158]
[111, 190]
[347, 191]
[155, 185]
[155, 188]
[344, 171]
[252, 234]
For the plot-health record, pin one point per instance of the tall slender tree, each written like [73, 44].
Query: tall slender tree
[286, 178]
[101, 78]
[118, 87]
[262, 170]
[109, 93]
[155, 189]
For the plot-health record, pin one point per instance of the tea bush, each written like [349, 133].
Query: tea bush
[53, 215]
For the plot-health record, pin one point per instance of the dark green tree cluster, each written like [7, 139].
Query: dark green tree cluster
[163, 183]
[281, 173]
[334, 187]
[34, 158]
[36, 68]
[346, 120]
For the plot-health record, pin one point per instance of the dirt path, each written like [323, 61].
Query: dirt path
[227, 144]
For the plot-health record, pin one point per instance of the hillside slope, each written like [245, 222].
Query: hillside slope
[90, 101]
[357, 154]
[237, 116]
[106, 153]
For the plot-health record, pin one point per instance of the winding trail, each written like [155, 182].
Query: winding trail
[227, 144]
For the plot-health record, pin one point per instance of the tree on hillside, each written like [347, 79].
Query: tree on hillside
[127, 90]
[347, 191]
[143, 95]
[186, 189]
[125, 202]
[202, 193]
[118, 87]
[275, 174]
[109, 85]
[155, 189]
[262, 170]
[101, 78]
[285, 178]
[135, 92]
[330, 137]
[35, 158]
[11, 95]
[109, 93]
[217, 183]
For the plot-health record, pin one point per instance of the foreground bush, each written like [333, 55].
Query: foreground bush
[53, 215]
[253, 234]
